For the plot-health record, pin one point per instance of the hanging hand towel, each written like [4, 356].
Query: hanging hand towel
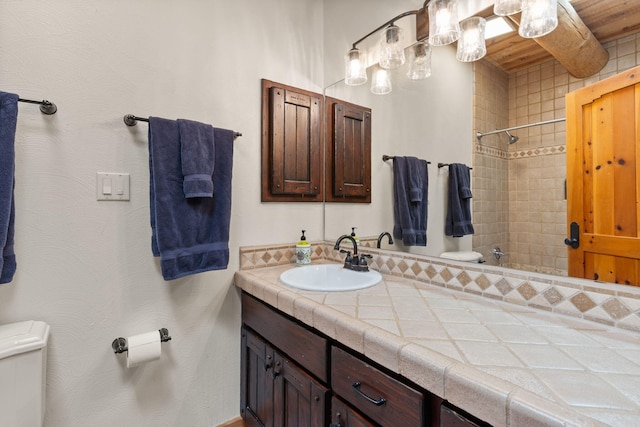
[197, 151]
[458, 221]
[190, 235]
[8, 121]
[410, 197]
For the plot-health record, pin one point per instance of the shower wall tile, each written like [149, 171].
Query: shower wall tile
[535, 165]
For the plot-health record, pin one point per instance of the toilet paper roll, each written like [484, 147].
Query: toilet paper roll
[143, 348]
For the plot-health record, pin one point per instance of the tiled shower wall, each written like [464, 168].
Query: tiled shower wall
[535, 168]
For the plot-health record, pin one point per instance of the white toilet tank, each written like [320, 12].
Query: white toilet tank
[23, 371]
[467, 256]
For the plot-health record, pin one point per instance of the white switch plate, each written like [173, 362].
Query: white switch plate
[112, 186]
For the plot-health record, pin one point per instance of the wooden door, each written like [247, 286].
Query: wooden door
[603, 183]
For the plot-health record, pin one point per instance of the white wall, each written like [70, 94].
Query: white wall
[85, 267]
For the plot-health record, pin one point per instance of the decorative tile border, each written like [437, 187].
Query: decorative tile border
[490, 151]
[537, 152]
[604, 303]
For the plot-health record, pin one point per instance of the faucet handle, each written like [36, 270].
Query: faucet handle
[348, 259]
[363, 262]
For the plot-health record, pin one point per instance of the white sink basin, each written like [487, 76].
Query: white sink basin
[329, 278]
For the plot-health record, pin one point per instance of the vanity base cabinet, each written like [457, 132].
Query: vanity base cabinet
[292, 375]
[276, 392]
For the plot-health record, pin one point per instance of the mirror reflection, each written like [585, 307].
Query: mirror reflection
[518, 179]
[429, 119]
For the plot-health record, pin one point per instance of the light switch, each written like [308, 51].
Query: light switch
[106, 186]
[112, 186]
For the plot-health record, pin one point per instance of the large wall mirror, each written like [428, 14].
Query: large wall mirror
[430, 119]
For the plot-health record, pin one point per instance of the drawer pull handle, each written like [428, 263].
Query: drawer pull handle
[378, 402]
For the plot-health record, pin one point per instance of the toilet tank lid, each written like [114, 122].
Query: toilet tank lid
[462, 255]
[21, 337]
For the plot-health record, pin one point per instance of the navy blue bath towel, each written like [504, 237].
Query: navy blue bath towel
[410, 200]
[198, 158]
[458, 221]
[8, 121]
[190, 235]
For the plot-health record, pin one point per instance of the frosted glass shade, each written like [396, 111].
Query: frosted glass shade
[443, 22]
[391, 51]
[419, 61]
[539, 17]
[380, 81]
[507, 7]
[355, 71]
[471, 44]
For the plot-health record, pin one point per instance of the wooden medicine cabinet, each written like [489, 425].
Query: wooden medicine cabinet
[293, 131]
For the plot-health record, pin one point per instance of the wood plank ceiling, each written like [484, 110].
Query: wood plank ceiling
[607, 19]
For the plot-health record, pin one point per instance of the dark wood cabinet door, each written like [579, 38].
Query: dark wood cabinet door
[348, 152]
[344, 416]
[256, 399]
[300, 400]
[291, 143]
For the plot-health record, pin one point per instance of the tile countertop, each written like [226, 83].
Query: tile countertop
[506, 364]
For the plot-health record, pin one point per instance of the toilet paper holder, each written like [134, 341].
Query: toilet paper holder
[119, 345]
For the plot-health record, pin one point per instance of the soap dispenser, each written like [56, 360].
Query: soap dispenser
[303, 251]
[353, 234]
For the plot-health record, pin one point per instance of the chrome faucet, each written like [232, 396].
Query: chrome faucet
[385, 233]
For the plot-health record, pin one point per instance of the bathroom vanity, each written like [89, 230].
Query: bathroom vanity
[425, 347]
[294, 375]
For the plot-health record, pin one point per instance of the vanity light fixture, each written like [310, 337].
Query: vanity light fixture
[419, 61]
[380, 81]
[392, 55]
[355, 69]
[471, 45]
[443, 22]
[539, 17]
[507, 7]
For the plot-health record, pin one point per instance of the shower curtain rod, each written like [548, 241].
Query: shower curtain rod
[46, 107]
[131, 120]
[479, 135]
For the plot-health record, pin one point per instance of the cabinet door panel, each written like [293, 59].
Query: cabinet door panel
[291, 143]
[257, 400]
[300, 400]
[348, 152]
[343, 416]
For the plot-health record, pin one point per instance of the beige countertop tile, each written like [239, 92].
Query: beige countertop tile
[507, 364]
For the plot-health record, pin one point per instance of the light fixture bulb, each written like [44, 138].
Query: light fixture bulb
[392, 53]
[355, 71]
[539, 17]
[471, 44]
[419, 61]
[380, 81]
[443, 22]
[507, 7]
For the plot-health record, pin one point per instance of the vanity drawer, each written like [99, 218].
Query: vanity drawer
[384, 399]
[302, 345]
